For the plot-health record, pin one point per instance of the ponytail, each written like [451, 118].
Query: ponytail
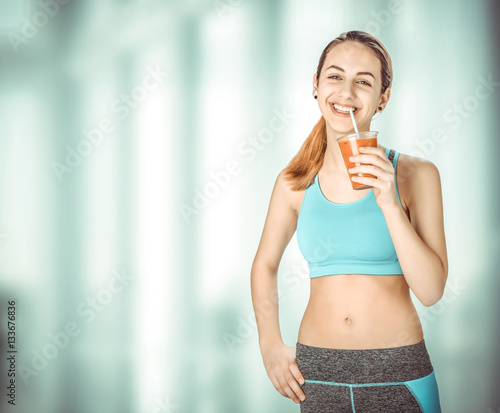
[308, 161]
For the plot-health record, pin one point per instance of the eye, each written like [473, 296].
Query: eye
[364, 82]
[333, 76]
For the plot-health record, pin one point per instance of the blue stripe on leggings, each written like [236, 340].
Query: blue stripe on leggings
[333, 383]
[424, 390]
[352, 401]
[415, 396]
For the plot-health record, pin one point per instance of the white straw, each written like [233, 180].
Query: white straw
[354, 121]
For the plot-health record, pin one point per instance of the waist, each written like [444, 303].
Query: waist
[360, 311]
[397, 364]
[350, 287]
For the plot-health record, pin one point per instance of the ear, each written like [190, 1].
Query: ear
[315, 84]
[384, 98]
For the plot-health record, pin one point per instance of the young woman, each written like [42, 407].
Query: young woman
[360, 345]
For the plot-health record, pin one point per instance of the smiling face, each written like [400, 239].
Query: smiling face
[350, 78]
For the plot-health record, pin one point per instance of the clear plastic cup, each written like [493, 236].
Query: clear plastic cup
[349, 146]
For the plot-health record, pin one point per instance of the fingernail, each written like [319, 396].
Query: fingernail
[302, 398]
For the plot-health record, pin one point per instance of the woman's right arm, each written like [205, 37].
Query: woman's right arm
[279, 227]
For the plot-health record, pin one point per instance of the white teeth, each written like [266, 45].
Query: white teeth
[343, 109]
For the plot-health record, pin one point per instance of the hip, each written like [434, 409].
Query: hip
[385, 379]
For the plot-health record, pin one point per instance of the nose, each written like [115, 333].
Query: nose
[346, 91]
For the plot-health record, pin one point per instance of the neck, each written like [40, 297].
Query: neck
[333, 160]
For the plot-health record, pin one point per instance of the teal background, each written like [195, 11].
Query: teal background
[129, 301]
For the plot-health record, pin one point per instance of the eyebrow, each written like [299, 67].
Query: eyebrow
[342, 70]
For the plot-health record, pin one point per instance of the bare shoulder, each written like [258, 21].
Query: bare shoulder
[287, 195]
[414, 168]
[417, 176]
[280, 225]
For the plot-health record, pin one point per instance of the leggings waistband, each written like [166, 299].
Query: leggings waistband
[393, 364]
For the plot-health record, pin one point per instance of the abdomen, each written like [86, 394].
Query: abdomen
[354, 311]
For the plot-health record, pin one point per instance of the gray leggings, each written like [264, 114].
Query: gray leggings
[395, 379]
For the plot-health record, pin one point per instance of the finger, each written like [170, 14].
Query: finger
[367, 181]
[285, 385]
[372, 160]
[376, 183]
[292, 382]
[278, 387]
[359, 160]
[369, 169]
[294, 369]
[380, 174]
[370, 149]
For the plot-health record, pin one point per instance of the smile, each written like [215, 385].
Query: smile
[343, 109]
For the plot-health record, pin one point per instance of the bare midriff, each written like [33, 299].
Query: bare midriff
[357, 311]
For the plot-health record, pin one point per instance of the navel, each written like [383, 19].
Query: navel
[348, 320]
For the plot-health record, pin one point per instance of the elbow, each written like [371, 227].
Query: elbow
[438, 291]
[431, 300]
[261, 269]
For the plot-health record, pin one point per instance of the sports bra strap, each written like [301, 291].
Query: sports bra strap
[393, 156]
[392, 152]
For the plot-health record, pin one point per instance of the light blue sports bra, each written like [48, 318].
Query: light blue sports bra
[350, 238]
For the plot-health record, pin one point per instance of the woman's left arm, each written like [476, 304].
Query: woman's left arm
[420, 244]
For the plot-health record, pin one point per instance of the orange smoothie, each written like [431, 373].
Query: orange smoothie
[350, 147]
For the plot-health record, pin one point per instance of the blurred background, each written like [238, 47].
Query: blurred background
[139, 145]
